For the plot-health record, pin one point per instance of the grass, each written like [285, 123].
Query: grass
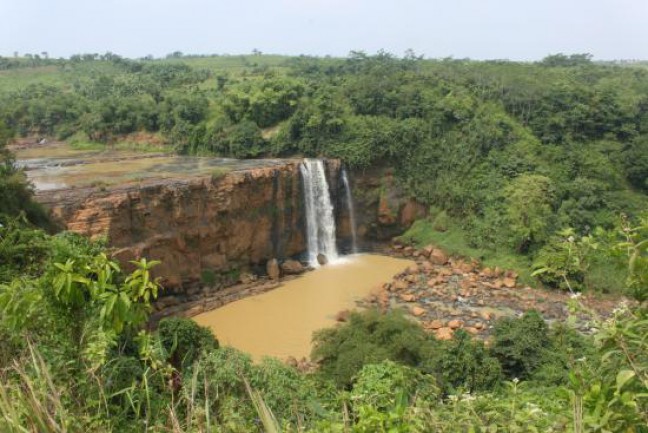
[454, 241]
[86, 145]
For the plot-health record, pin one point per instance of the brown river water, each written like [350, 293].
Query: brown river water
[281, 322]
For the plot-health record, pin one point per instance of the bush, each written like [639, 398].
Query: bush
[185, 340]
[369, 337]
[465, 364]
[521, 344]
[381, 385]
[23, 249]
[287, 392]
[529, 350]
[441, 221]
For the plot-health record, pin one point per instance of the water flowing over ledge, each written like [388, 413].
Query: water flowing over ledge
[320, 222]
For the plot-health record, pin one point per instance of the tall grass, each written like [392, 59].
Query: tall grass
[32, 402]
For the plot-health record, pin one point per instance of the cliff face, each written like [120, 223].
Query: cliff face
[383, 209]
[206, 228]
[197, 226]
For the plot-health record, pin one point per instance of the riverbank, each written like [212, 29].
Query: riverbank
[445, 293]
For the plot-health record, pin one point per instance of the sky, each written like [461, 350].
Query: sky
[476, 29]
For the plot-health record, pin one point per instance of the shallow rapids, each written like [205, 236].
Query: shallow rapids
[281, 322]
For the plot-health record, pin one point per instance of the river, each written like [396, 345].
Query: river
[281, 322]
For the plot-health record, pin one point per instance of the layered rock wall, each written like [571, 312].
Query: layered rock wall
[209, 230]
[197, 226]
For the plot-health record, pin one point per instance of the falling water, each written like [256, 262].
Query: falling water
[349, 199]
[320, 223]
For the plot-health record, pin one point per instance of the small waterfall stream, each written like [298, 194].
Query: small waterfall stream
[349, 199]
[320, 222]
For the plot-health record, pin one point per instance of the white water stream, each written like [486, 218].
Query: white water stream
[349, 199]
[320, 222]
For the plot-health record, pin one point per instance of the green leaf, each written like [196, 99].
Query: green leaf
[623, 377]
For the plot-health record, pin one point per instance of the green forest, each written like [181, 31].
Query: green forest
[539, 167]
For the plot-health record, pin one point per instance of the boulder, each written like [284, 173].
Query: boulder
[444, 333]
[407, 297]
[511, 274]
[292, 267]
[487, 272]
[322, 259]
[342, 316]
[400, 285]
[247, 278]
[486, 315]
[455, 324]
[417, 311]
[435, 324]
[509, 282]
[438, 257]
[272, 267]
[427, 250]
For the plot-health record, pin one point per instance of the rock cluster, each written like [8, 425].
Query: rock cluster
[445, 293]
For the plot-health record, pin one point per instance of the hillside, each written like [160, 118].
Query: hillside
[507, 154]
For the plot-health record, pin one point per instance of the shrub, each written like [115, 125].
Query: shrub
[369, 337]
[521, 345]
[464, 363]
[185, 340]
[528, 349]
[381, 385]
[441, 221]
[23, 250]
[288, 393]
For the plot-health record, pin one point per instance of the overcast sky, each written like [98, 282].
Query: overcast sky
[479, 29]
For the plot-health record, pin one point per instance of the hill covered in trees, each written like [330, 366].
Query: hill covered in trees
[511, 156]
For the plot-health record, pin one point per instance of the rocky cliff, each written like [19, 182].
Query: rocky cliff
[383, 208]
[209, 227]
[198, 227]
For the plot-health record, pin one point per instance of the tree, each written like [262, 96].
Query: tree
[529, 210]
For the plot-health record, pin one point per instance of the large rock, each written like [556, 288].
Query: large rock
[438, 257]
[444, 333]
[272, 267]
[455, 324]
[400, 285]
[435, 324]
[408, 297]
[292, 267]
[322, 259]
[417, 311]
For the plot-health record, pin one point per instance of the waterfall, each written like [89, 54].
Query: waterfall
[349, 199]
[320, 223]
